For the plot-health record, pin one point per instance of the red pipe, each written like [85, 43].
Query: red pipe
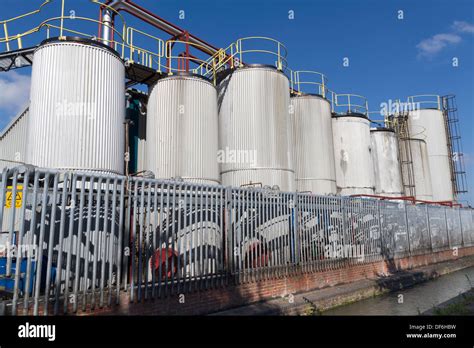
[411, 199]
[210, 51]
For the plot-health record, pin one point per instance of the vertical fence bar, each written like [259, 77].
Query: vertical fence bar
[52, 225]
[62, 226]
[20, 241]
[39, 262]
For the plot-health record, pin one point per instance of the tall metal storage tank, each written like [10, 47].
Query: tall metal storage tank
[314, 149]
[182, 139]
[255, 129]
[13, 140]
[432, 124]
[386, 159]
[352, 153]
[77, 107]
[420, 167]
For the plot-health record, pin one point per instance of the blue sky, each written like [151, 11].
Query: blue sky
[389, 58]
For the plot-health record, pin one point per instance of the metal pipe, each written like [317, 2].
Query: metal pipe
[107, 24]
[160, 23]
[410, 198]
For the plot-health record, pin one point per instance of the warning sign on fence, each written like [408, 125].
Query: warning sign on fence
[18, 198]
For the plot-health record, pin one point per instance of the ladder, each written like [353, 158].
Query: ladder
[453, 135]
[400, 125]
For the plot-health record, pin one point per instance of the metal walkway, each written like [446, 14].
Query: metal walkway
[16, 59]
[135, 73]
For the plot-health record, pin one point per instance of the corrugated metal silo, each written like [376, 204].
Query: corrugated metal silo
[421, 174]
[13, 141]
[255, 130]
[77, 107]
[432, 125]
[314, 149]
[182, 139]
[386, 159]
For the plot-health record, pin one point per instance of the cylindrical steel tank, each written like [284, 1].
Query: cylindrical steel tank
[417, 170]
[77, 107]
[314, 150]
[181, 134]
[13, 141]
[352, 153]
[255, 130]
[431, 123]
[386, 159]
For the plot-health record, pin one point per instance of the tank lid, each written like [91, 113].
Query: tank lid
[81, 40]
[382, 129]
[309, 95]
[351, 114]
[182, 74]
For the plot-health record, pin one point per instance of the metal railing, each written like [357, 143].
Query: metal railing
[244, 47]
[187, 62]
[82, 240]
[309, 82]
[351, 103]
[425, 101]
[122, 41]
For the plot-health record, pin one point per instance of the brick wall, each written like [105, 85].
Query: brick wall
[203, 302]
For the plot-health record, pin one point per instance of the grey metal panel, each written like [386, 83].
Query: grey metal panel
[254, 120]
[387, 169]
[454, 227]
[13, 141]
[394, 227]
[182, 127]
[352, 152]
[467, 225]
[429, 124]
[314, 150]
[77, 108]
[418, 228]
[439, 236]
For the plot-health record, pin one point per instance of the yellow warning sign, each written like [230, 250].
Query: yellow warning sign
[18, 198]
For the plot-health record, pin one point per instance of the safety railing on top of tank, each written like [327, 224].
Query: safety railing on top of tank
[351, 104]
[121, 41]
[425, 101]
[185, 61]
[18, 38]
[309, 82]
[145, 57]
[244, 50]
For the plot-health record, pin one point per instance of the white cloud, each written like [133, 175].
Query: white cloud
[14, 92]
[433, 45]
[463, 27]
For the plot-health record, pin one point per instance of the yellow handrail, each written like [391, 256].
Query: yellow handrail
[351, 105]
[425, 99]
[204, 67]
[299, 81]
[146, 56]
[281, 50]
[122, 40]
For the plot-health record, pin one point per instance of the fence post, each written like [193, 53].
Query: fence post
[447, 227]
[408, 228]
[382, 237]
[228, 238]
[429, 227]
[296, 238]
[460, 226]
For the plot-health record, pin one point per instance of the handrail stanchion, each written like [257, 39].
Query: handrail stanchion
[62, 18]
